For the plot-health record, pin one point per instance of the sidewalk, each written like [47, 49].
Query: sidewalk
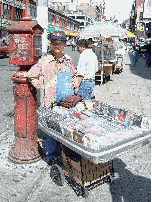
[131, 89]
[32, 182]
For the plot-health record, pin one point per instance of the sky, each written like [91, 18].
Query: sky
[119, 8]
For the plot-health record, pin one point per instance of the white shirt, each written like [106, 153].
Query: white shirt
[87, 64]
[72, 41]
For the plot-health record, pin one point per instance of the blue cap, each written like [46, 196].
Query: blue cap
[58, 35]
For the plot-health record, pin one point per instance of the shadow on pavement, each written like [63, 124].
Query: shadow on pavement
[129, 187]
[140, 69]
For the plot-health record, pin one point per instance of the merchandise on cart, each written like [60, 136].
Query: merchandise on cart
[98, 126]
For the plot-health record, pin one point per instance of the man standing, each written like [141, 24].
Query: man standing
[86, 69]
[135, 53]
[148, 53]
[91, 44]
[56, 74]
[73, 44]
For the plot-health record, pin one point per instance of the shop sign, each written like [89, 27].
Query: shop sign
[140, 26]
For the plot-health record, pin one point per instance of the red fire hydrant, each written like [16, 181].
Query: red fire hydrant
[25, 45]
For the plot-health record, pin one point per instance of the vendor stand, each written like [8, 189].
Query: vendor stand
[98, 133]
[107, 60]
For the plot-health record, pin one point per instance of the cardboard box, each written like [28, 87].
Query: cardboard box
[68, 132]
[78, 137]
[108, 69]
[91, 172]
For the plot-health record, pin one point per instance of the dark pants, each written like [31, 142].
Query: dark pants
[148, 59]
[73, 47]
[86, 89]
[135, 57]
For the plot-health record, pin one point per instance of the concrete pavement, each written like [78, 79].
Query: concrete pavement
[32, 182]
[131, 89]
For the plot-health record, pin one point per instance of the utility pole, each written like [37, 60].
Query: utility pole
[98, 13]
[42, 18]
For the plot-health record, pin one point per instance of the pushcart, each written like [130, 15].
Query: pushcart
[94, 167]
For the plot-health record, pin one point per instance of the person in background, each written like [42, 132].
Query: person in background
[86, 69]
[90, 42]
[148, 53]
[56, 75]
[135, 53]
[100, 38]
[73, 44]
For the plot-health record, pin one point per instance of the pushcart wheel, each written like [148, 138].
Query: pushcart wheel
[109, 180]
[85, 193]
[57, 175]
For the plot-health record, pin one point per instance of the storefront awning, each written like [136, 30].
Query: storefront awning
[131, 34]
[67, 33]
[71, 33]
[52, 29]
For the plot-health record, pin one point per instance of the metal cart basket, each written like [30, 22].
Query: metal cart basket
[95, 165]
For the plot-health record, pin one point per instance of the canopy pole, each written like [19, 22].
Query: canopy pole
[102, 58]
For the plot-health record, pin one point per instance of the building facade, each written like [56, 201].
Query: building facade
[84, 19]
[14, 10]
[88, 7]
[140, 18]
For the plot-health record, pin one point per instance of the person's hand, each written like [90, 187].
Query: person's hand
[76, 90]
[71, 101]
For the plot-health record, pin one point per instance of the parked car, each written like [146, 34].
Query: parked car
[4, 48]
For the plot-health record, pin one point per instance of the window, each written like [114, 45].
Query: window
[81, 17]
[35, 13]
[6, 11]
[72, 17]
[17, 14]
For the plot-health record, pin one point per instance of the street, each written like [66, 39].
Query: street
[73, 54]
[31, 182]
[130, 89]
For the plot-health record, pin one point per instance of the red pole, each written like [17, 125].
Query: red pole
[23, 13]
[54, 22]
[12, 13]
[64, 24]
[26, 148]
[0, 9]
[1, 21]
[60, 22]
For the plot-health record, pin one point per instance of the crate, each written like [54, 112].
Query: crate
[91, 172]
[108, 69]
